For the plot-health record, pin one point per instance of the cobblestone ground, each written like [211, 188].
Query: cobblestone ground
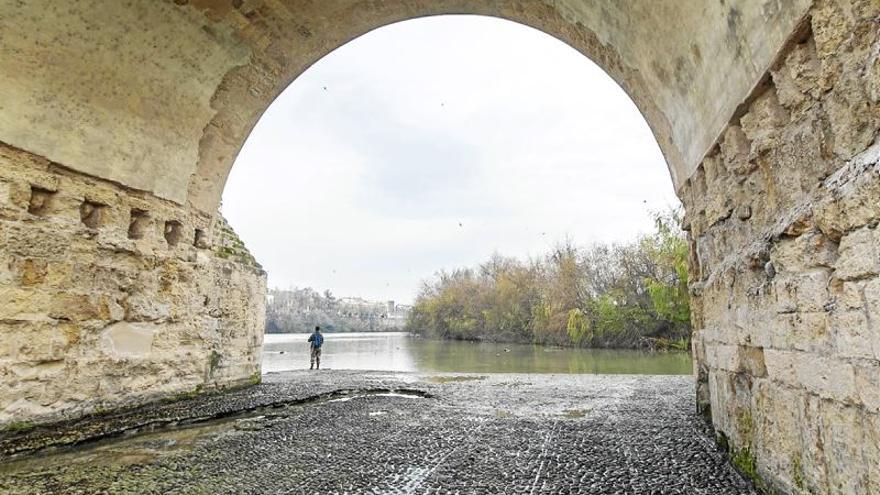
[500, 433]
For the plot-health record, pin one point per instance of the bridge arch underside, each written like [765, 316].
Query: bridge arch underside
[120, 121]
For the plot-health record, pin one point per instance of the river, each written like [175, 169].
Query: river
[397, 351]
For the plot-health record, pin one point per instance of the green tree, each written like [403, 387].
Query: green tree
[668, 288]
[620, 295]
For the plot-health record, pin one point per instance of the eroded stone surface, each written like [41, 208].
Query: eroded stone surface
[128, 339]
[94, 317]
[496, 433]
[786, 305]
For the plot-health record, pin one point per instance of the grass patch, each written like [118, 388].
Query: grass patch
[745, 461]
[797, 472]
[19, 426]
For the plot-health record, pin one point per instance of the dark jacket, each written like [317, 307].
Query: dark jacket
[316, 339]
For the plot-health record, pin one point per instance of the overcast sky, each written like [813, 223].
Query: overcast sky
[431, 144]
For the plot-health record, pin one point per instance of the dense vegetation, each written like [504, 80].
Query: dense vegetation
[623, 295]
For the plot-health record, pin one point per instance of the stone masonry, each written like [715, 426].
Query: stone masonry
[785, 262]
[113, 297]
[120, 121]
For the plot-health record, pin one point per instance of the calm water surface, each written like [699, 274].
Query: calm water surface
[393, 351]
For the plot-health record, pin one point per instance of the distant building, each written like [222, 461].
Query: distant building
[299, 310]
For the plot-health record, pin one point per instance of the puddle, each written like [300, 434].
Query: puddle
[129, 450]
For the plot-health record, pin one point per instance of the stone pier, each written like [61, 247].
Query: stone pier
[112, 297]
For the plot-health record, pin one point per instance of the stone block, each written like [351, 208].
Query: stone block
[31, 271]
[735, 150]
[36, 242]
[810, 333]
[858, 255]
[814, 477]
[868, 385]
[781, 366]
[19, 195]
[827, 377]
[38, 373]
[146, 308]
[871, 451]
[852, 336]
[811, 291]
[855, 206]
[124, 339]
[777, 423]
[720, 399]
[750, 360]
[751, 325]
[843, 436]
[847, 43]
[796, 80]
[45, 342]
[5, 198]
[79, 307]
[6, 274]
[795, 331]
[872, 78]
[871, 295]
[851, 295]
[853, 120]
[23, 304]
[807, 251]
[784, 292]
[762, 124]
[831, 26]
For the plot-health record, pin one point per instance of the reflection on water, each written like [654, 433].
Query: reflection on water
[393, 351]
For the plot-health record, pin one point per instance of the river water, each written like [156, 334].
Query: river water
[395, 351]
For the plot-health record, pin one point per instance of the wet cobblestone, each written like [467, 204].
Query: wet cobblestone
[518, 434]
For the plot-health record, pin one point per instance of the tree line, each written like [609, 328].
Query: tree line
[629, 295]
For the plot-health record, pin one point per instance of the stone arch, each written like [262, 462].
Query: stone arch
[247, 92]
[167, 110]
[119, 122]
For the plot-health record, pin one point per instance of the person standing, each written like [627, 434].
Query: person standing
[317, 340]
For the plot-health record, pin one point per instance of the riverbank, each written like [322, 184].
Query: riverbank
[342, 431]
[650, 344]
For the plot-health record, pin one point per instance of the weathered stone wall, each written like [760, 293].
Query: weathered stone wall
[783, 217]
[112, 297]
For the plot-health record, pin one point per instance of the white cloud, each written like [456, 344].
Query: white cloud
[432, 123]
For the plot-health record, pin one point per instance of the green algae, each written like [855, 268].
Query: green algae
[18, 426]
